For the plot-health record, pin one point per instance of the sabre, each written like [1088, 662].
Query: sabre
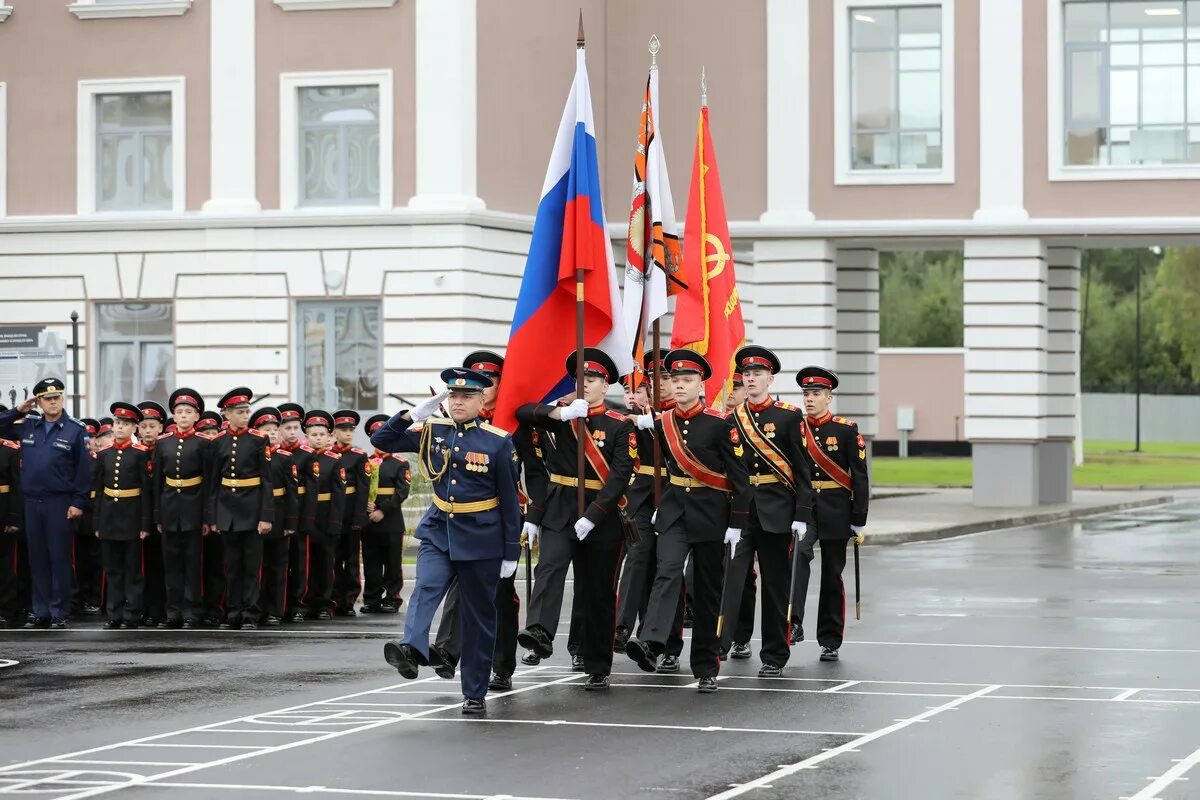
[528, 576]
[857, 585]
[796, 537]
[724, 591]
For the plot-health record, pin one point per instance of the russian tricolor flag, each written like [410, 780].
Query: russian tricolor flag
[569, 233]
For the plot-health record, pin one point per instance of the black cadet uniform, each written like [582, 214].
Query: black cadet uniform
[383, 541]
[298, 543]
[328, 511]
[837, 456]
[781, 496]
[14, 593]
[182, 461]
[240, 498]
[708, 492]
[88, 569]
[284, 482]
[154, 601]
[122, 481]
[593, 543]
[212, 554]
[347, 581]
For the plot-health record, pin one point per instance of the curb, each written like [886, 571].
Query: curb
[949, 532]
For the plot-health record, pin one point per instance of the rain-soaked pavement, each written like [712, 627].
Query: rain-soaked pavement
[1060, 661]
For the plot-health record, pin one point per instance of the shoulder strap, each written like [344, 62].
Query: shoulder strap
[832, 468]
[764, 446]
[687, 462]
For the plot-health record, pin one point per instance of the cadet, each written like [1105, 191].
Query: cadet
[241, 507]
[780, 506]
[154, 609]
[13, 602]
[209, 424]
[471, 532]
[212, 554]
[347, 581]
[703, 511]
[182, 459]
[837, 456]
[592, 542]
[122, 481]
[287, 510]
[55, 480]
[383, 536]
[329, 490]
[89, 571]
[291, 429]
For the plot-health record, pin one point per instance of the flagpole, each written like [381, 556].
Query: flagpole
[654, 46]
[580, 424]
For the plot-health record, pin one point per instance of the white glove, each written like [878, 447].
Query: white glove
[653, 518]
[576, 409]
[583, 526]
[733, 536]
[426, 408]
[644, 422]
[858, 533]
[798, 527]
[531, 533]
[508, 569]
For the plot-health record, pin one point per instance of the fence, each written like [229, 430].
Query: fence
[1165, 418]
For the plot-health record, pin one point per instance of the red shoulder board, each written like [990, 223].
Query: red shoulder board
[845, 421]
[219, 435]
[307, 449]
[102, 449]
[258, 433]
[782, 404]
[356, 450]
[167, 435]
[10, 443]
[333, 455]
[616, 415]
[399, 458]
[140, 446]
[712, 412]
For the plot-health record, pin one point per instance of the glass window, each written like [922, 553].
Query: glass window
[133, 151]
[136, 344]
[896, 87]
[340, 361]
[1131, 97]
[339, 145]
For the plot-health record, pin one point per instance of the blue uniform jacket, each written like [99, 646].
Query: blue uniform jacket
[468, 463]
[54, 463]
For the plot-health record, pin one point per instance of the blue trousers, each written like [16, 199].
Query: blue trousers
[477, 582]
[49, 536]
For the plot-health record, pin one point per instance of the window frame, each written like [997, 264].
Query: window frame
[88, 134]
[99, 339]
[1056, 117]
[843, 129]
[290, 84]
[333, 303]
[111, 9]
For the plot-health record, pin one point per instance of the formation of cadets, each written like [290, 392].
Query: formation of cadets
[271, 516]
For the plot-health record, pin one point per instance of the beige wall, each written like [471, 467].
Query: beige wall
[957, 200]
[45, 50]
[353, 39]
[932, 383]
[525, 68]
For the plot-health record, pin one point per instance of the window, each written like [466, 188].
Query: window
[340, 355]
[1131, 77]
[108, 9]
[894, 94]
[136, 345]
[131, 146]
[336, 139]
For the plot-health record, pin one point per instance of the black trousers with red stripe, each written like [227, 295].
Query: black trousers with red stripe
[243, 563]
[772, 549]
[831, 601]
[124, 584]
[274, 574]
[297, 572]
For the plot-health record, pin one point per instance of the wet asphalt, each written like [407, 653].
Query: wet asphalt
[1060, 661]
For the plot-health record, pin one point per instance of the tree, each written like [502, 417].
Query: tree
[920, 299]
[1177, 303]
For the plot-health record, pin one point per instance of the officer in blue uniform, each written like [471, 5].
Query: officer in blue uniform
[55, 481]
[471, 532]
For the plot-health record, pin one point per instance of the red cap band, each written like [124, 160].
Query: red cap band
[374, 425]
[344, 421]
[486, 366]
[682, 365]
[291, 414]
[125, 413]
[104, 429]
[237, 401]
[263, 419]
[756, 361]
[151, 412]
[592, 366]
[187, 399]
[316, 421]
[810, 379]
[91, 429]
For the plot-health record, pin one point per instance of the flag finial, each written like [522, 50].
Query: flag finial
[579, 39]
[654, 46]
[703, 88]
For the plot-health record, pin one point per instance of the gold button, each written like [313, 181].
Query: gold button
[687, 489]
[452, 482]
[451, 515]
[456, 449]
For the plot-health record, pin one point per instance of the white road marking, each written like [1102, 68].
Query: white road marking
[703, 729]
[334, 790]
[854, 744]
[840, 686]
[1125, 695]
[1032, 647]
[8, 662]
[1175, 773]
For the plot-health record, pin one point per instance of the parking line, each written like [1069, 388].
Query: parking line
[1175, 773]
[638, 725]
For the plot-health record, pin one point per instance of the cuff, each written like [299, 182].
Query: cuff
[804, 514]
[512, 551]
[858, 519]
[596, 512]
[534, 515]
[738, 519]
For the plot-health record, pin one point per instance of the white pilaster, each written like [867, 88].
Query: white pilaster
[1063, 381]
[1001, 131]
[858, 337]
[796, 305]
[446, 102]
[232, 100]
[787, 112]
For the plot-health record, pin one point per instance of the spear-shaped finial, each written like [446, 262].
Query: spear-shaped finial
[654, 46]
[703, 88]
[579, 39]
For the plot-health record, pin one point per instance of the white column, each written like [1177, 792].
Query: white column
[1064, 432]
[795, 308]
[1005, 316]
[232, 73]
[446, 105]
[1001, 132]
[858, 338]
[787, 112]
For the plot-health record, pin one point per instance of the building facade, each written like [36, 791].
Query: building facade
[331, 199]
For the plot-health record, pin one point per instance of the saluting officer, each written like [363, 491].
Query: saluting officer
[123, 483]
[347, 582]
[291, 430]
[182, 459]
[12, 549]
[154, 609]
[780, 506]
[837, 456]
[241, 506]
[592, 541]
[55, 480]
[329, 488]
[383, 536]
[287, 511]
[703, 510]
[471, 532]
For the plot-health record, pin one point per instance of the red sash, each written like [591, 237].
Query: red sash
[688, 462]
[595, 458]
[833, 469]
